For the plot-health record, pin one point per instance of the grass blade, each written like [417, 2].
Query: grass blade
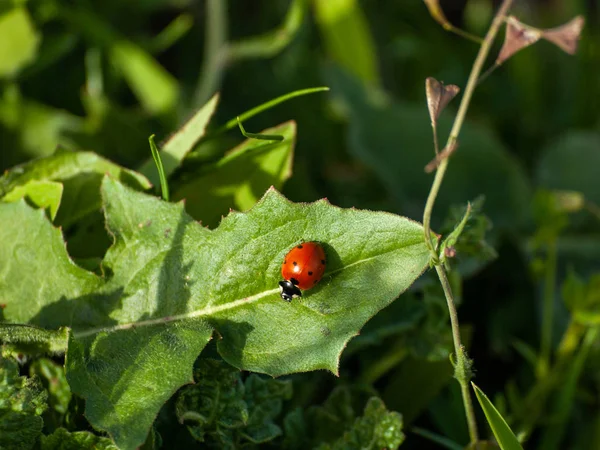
[164, 187]
[261, 137]
[504, 435]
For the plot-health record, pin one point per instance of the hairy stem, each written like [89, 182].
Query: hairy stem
[462, 368]
[463, 365]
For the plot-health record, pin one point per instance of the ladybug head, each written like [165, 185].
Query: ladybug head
[289, 290]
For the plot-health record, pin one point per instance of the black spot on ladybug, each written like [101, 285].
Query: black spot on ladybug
[316, 281]
[285, 261]
[309, 274]
[295, 263]
[323, 261]
[300, 246]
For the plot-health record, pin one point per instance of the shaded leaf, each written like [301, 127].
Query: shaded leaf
[502, 432]
[54, 381]
[566, 36]
[45, 273]
[43, 194]
[518, 36]
[570, 162]
[582, 299]
[62, 439]
[22, 401]
[239, 179]
[19, 41]
[182, 142]
[378, 428]
[80, 173]
[473, 251]
[225, 412]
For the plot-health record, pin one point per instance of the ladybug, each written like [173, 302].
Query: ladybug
[302, 269]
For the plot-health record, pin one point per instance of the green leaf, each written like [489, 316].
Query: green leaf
[452, 238]
[570, 162]
[239, 179]
[38, 128]
[582, 299]
[347, 38]
[223, 411]
[172, 282]
[472, 249]
[62, 439]
[18, 41]
[182, 142]
[156, 88]
[378, 428]
[563, 404]
[504, 435]
[54, 380]
[80, 173]
[22, 401]
[43, 194]
[36, 272]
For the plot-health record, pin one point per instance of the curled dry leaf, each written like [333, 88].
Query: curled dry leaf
[438, 97]
[518, 36]
[445, 153]
[566, 36]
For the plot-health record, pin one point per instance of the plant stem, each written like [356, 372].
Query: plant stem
[214, 52]
[462, 368]
[463, 365]
[548, 309]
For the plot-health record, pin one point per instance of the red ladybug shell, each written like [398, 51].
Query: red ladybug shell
[304, 265]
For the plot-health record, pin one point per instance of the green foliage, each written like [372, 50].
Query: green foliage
[80, 173]
[223, 411]
[109, 312]
[377, 428]
[473, 251]
[504, 435]
[583, 299]
[19, 41]
[181, 143]
[62, 439]
[42, 194]
[394, 140]
[337, 425]
[239, 178]
[52, 377]
[202, 279]
[22, 401]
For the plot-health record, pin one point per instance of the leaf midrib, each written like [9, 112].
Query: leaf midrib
[212, 310]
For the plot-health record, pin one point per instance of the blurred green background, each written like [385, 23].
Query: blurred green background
[104, 75]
